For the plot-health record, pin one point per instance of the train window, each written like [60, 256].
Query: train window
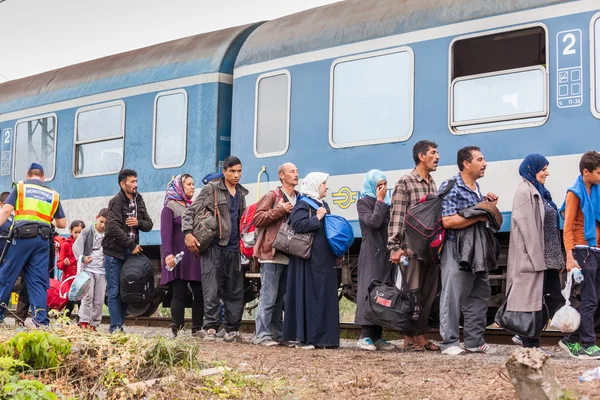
[35, 141]
[170, 129]
[499, 80]
[99, 132]
[371, 98]
[595, 42]
[272, 114]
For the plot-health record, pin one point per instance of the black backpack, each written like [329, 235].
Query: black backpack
[137, 280]
[423, 229]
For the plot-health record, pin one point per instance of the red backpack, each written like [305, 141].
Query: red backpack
[248, 234]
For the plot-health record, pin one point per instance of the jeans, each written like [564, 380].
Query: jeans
[269, 316]
[180, 289]
[116, 309]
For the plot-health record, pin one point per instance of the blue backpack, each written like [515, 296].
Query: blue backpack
[338, 231]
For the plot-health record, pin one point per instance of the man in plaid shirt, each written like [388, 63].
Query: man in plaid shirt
[419, 275]
[463, 291]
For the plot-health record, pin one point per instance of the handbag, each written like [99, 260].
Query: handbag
[81, 283]
[527, 324]
[390, 307]
[206, 229]
[292, 243]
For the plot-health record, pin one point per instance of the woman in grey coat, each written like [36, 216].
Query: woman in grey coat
[373, 261]
[534, 256]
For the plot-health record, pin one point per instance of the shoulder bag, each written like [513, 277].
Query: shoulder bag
[291, 243]
[527, 324]
[210, 222]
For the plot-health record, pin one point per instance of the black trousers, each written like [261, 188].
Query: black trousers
[222, 278]
[372, 332]
[180, 289]
[553, 299]
[23, 305]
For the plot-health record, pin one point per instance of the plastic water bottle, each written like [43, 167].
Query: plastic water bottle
[178, 258]
[577, 275]
[590, 375]
[404, 261]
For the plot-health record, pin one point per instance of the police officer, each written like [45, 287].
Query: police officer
[35, 205]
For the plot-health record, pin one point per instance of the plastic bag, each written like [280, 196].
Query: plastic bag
[567, 319]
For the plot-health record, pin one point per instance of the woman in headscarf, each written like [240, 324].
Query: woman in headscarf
[534, 256]
[186, 272]
[373, 261]
[312, 316]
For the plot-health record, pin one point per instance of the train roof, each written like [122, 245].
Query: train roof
[212, 52]
[353, 21]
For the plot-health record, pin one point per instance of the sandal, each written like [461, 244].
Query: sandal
[431, 346]
[412, 347]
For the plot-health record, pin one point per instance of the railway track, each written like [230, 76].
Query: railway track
[347, 331]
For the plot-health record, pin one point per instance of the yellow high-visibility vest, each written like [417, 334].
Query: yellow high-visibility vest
[35, 203]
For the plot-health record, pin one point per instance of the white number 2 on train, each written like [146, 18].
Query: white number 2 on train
[569, 49]
[6, 137]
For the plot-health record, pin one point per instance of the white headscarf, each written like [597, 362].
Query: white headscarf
[310, 185]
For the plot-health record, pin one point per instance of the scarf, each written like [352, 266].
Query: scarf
[370, 185]
[175, 192]
[310, 185]
[589, 204]
[531, 165]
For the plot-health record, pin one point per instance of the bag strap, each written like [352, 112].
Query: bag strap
[447, 189]
[389, 275]
[310, 202]
[80, 264]
[217, 213]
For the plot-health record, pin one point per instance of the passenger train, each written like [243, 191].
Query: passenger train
[341, 88]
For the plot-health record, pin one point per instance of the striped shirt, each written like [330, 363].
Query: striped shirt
[408, 191]
[459, 197]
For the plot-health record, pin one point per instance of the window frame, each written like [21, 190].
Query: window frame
[14, 145]
[363, 56]
[510, 123]
[593, 60]
[289, 110]
[185, 124]
[101, 139]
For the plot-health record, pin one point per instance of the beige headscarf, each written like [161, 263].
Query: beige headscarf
[310, 185]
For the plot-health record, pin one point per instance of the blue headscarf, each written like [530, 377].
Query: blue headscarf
[370, 185]
[531, 165]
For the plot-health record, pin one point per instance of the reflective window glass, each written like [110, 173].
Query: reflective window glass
[100, 123]
[35, 141]
[170, 129]
[372, 99]
[272, 115]
[597, 62]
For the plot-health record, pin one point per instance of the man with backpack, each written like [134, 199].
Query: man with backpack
[127, 216]
[271, 211]
[222, 275]
[463, 291]
[418, 275]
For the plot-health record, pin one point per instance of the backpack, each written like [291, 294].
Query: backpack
[423, 229]
[137, 280]
[338, 231]
[248, 233]
[57, 295]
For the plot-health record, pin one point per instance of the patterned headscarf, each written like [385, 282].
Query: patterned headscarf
[310, 185]
[176, 192]
[531, 165]
[372, 178]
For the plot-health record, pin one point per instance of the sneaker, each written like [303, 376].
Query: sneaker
[233, 336]
[211, 335]
[268, 343]
[546, 352]
[221, 334]
[484, 349]
[589, 352]
[199, 334]
[84, 325]
[384, 345]
[288, 343]
[517, 340]
[116, 330]
[94, 328]
[453, 351]
[304, 346]
[572, 348]
[366, 344]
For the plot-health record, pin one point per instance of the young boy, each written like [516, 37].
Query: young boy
[582, 240]
[89, 244]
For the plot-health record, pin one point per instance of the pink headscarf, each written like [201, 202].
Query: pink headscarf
[175, 191]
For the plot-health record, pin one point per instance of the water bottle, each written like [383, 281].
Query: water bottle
[178, 258]
[404, 261]
[577, 275]
[590, 375]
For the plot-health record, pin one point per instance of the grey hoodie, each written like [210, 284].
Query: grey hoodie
[84, 245]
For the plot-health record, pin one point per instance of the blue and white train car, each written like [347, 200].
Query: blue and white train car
[352, 86]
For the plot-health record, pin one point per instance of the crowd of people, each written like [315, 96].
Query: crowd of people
[201, 253]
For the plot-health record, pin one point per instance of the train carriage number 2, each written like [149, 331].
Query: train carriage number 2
[569, 48]
[6, 137]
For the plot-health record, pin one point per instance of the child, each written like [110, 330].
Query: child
[582, 238]
[67, 262]
[89, 244]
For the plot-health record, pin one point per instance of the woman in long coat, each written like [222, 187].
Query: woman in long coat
[534, 256]
[312, 316]
[373, 261]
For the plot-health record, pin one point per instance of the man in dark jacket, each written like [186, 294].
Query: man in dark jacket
[127, 216]
[222, 275]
